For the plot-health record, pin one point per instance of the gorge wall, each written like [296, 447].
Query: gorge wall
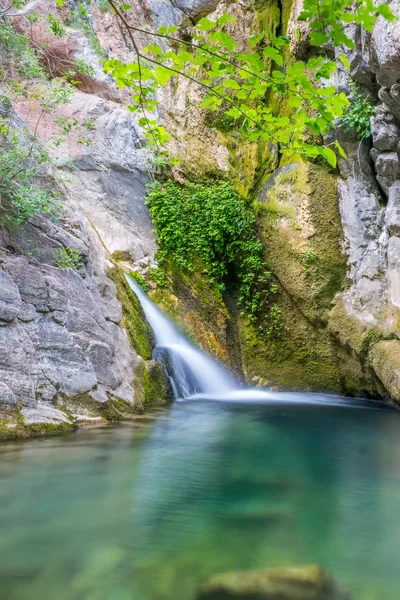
[74, 345]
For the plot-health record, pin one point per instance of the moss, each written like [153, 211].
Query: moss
[112, 410]
[385, 360]
[13, 426]
[157, 388]
[134, 320]
[122, 255]
[298, 217]
[355, 343]
[151, 383]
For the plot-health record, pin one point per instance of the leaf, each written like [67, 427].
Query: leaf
[154, 49]
[231, 84]
[224, 39]
[329, 155]
[124, 7]
[345, 61]
[340, 150]
[205, 24]
[60, 3]
[163, 75]
[385, 11]
[318, 38]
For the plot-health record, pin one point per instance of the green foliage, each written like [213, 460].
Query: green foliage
[212, 226]
[68, 258]
[21, 196]
[158, 276]
[17, 58]
[358, 115]
[308, 258]
[56, 26]
[327, 17]
[140, 280]
[242, 78]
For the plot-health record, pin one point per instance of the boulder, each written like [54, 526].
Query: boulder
[387, 165]
[384, 129]
[302, 583]
[385, 359]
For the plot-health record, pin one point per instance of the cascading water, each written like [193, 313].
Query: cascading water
[194, 374]
[191, 371]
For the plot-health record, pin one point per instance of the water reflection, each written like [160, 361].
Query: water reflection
[148, 510]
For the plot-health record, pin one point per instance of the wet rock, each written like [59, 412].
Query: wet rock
[44, 413]
[303, 583]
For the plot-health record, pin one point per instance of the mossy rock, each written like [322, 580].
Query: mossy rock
[385, 360]
[298, 217]
[133, 317]
[13, 426]
[302, 583]
[122, 256]
[151, 383]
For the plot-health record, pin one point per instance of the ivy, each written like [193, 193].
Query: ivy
[212, 226]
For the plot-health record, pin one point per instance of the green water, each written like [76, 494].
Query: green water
[149, 509]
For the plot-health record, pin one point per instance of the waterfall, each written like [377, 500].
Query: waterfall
[191, 371]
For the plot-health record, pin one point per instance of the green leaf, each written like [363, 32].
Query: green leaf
[224, 39]
[318, 38]
[205, 24]
[60, 3]
[231, 84]
[154, 49]
[345, 61]
[340, 150]
[125, 7]
[329, 154]
[163, 75]
[386, 12]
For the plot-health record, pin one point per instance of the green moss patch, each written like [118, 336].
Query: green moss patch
[133, 319]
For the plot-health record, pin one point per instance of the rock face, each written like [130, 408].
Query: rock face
[59, 327]
[366, 314]
[306, 583]
[64, 332]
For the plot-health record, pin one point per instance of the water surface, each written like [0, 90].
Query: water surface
[147, 510]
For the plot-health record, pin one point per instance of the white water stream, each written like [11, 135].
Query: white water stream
[191, 371]
[195, 375]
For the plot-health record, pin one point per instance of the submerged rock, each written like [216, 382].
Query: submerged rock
[293, 583]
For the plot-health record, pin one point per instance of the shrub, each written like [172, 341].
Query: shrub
[140, 280]
[158, 276]
[213, 226]
[68, 259]
[358, 115]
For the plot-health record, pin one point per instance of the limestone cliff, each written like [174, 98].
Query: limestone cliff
[70, 350]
